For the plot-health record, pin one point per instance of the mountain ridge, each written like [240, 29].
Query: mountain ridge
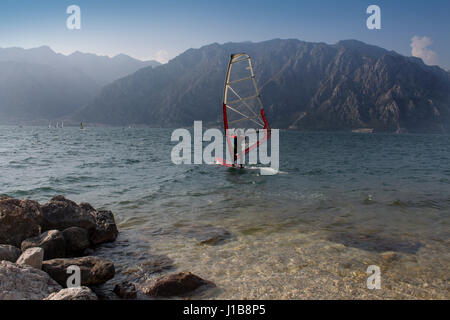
[304, 85]
[39, 83]
[91, 64]
[31, 91]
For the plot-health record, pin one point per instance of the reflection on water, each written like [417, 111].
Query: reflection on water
[347, 201]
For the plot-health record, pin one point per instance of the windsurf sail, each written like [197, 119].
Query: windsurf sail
[242, 105]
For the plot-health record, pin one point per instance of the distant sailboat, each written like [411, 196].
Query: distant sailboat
[62, 124]
[57, 124]
[81, 126]
[49, 124]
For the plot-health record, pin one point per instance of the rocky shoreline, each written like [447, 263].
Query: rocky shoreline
[42, 245]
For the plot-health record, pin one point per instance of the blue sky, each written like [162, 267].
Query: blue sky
[165, 28]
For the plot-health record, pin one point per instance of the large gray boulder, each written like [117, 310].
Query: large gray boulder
[21, 282]
[77, 240]
[51, 241]
[106, 229]
[19, 220]
[32, 257]
[9, 253]
[94, 271]
[60, 213]
[81, 293]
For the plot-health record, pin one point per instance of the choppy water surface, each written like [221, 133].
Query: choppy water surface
[342, 203]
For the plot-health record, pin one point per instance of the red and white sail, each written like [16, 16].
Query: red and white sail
[242, 105]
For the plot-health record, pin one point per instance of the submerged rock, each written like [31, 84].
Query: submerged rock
[32, 257]
[9, 253]
[81, 293]
[51, 241]
[94, 271]
[77, 240]
[125, 290]
[176, 284]
[389, 256]
[153, 264]
[206, 234]
[60, 213]
[19, 220]
[375, 243]
[21, 282]
[106, 229]
[156, 264]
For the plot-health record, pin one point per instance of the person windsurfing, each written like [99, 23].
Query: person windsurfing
[242, 106]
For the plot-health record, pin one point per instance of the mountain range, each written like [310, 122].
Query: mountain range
[304, 86]
[39, 83]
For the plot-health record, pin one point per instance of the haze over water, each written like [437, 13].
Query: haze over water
[343, 200]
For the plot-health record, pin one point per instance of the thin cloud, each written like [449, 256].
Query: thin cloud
[420, 49]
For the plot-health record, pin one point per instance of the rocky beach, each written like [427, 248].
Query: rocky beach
[40, 245]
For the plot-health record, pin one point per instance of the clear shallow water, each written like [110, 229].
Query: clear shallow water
[311, 232]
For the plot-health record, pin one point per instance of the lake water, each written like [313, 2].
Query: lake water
[342, 201]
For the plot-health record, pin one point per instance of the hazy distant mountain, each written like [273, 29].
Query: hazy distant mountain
[41, 84]
[31, 91]
[101, 69]
[104, 69]
[310, 86]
